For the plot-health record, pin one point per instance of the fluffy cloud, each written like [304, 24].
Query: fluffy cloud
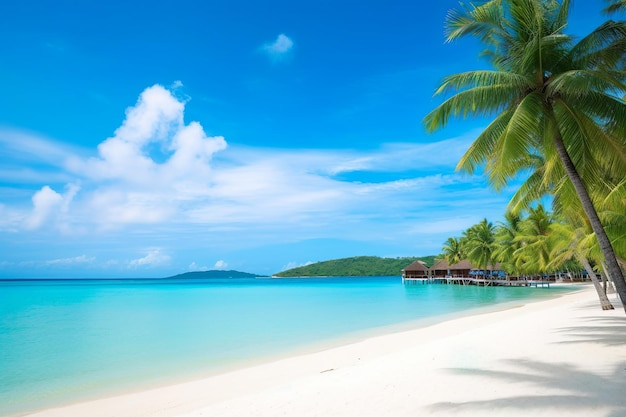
[45, 202]
[153, 164]
[220, 265]
[153, 258]
[157, 170]
[154, 126]
[159, 175]
[49, 205]
[195, 267]
[279, 48]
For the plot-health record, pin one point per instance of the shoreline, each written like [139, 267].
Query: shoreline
[481, 363]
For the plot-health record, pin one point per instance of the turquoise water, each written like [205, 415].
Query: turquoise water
[61, 341]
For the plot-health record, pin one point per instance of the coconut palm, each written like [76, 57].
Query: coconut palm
[609, 198]
[532, 256]
[551, 96]
[479, 244]
[569, 242]
[453, 251]
[506, 243]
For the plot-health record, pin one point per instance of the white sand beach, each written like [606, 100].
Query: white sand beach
[561, 357]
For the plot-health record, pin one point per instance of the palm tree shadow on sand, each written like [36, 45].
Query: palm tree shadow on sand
[560, 387]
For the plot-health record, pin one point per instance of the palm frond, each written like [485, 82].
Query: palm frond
[603, 48]
[476, 102]
[481, 21]
[508, 155]
[615, 6]
[480, 150]
[482, 78]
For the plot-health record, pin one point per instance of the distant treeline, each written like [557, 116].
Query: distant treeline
[214, 274]
[356, 266]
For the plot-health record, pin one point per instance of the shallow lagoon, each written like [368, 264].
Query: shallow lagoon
[65, 340]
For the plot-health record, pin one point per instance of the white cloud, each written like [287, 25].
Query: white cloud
[50, 205]
[159, 175]
[153, 258]
[82, 259]
[154, 163]
[45, 202]
[20, 146]
[279, 48]
[220, 265]
[195, 267]
[154, 125]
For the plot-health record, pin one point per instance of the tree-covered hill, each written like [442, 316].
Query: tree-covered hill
[213, 274]
[356, 266]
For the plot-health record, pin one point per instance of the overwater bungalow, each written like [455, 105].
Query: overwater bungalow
[464, 269]
[464, 273]
[417, 270]
[441, 269]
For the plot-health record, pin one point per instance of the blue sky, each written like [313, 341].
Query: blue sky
[150, 138]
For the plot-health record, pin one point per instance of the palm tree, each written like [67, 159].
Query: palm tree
[533, 253]
[551, 96]
[479, 244]
[453, 251]
[615, 6]
[506, 243]
[569, 242]
[609, 198]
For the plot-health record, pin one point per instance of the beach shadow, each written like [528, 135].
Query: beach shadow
[565, 389]
[609, 336]
[560, 387]
[606, 330]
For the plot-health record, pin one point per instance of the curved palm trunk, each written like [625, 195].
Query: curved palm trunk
[604, 300]
[622, 262]
[613, 270]
[607, 282]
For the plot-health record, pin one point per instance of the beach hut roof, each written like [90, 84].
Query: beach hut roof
[440, 264]
[464, 264]
[416, 266]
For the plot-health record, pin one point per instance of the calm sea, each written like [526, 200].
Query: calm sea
[62, 341]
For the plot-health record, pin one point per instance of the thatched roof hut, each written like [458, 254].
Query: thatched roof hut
[464, 268]
[417, 269]
[440, 268]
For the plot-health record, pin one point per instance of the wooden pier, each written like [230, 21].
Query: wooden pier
[464, 273]
[483, 282]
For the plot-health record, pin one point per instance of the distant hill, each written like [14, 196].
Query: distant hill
[213, 274]
[356, 266]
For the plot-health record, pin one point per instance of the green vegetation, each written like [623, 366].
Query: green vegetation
[531, 243]
[356, 266]
[558, 109]
[213, 274]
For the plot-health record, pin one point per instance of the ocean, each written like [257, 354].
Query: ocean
[63, 341]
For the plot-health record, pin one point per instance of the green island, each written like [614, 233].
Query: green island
[214, 274]
[356, 266]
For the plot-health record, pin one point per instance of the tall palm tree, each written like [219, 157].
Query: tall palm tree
[551, 96]
[453, 250]
[609, 198]
[570, 242]
[533, 253]
[479, 244]
[506, 243]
